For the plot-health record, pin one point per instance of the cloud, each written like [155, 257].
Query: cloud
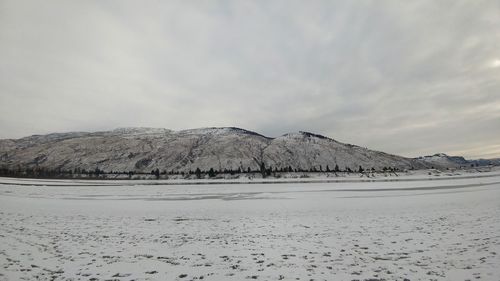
[495, 63]
[406, 78]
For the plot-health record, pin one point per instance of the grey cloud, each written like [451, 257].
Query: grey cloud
[408, 78]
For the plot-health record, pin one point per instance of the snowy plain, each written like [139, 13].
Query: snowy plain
[411, 228]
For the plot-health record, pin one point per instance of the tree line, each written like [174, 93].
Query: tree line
[264, 171]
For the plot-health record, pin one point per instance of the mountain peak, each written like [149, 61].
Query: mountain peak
[140, 130]
[304, 134]
[313, 135]
[220, 130]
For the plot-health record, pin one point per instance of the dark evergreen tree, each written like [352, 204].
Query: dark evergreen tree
[263, 169]
[211, 173]
[269, 171]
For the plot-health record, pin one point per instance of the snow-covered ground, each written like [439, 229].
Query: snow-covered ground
[256, 178]
[412, 228]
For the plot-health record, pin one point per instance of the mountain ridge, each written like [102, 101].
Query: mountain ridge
[143, 149]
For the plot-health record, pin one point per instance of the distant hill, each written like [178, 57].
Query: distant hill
[441, 160]
[227, 148]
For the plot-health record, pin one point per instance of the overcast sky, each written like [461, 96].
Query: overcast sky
[405, 77]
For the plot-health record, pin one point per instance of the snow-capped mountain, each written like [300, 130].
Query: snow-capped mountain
[439, 160]
[145, 149]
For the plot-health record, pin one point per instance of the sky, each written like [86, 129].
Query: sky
[405, 77]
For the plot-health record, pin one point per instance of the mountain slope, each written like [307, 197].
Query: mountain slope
[145, 149]
[443, 160]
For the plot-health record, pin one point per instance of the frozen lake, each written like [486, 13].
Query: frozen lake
[415, 230]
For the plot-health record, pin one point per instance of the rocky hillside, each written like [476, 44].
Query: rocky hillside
[443, 160]
[145, 149]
